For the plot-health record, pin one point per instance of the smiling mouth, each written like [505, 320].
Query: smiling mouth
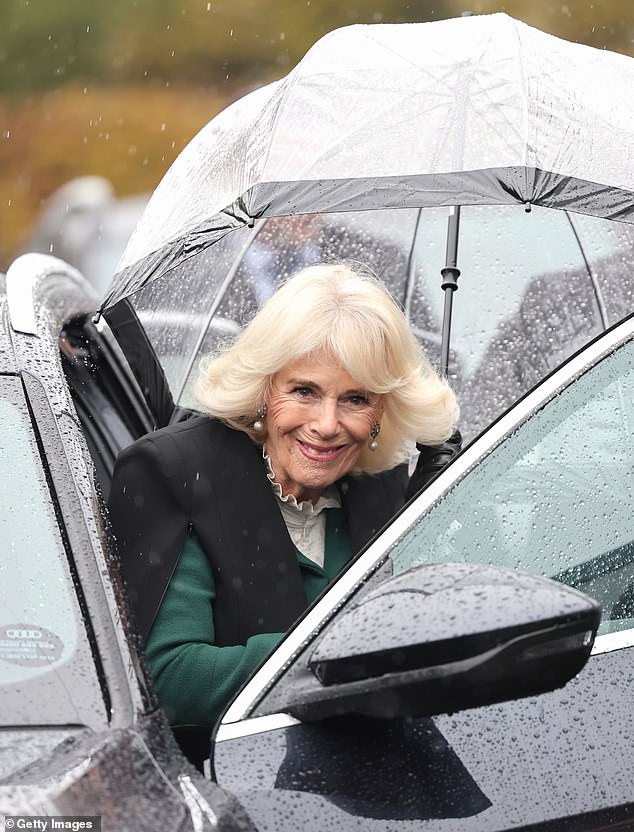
[320, 454]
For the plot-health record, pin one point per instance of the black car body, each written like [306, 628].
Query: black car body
[81, 732]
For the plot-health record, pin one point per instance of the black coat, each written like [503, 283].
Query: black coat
[203, 476]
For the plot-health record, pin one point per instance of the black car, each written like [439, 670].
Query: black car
[423, 690]
[80, 730]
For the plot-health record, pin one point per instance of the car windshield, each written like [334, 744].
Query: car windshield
[47, 673]
[556, 498]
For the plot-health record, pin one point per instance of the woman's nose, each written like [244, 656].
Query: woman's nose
[326, 419]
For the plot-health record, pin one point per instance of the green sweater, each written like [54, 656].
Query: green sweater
[193, 677]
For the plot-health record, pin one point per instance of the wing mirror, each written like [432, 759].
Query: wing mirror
[442, 638]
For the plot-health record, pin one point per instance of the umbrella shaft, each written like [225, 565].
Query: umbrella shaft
[446, 330]
[450, 275]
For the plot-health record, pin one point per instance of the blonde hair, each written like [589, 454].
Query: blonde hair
[349, 315]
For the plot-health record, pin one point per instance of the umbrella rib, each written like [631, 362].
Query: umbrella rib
[411, 269]
[500, 109]
[524, 92]
[598, 295]
[438, 80]
[421, 70]
[276, 120]
[509, 123]
[392, 51]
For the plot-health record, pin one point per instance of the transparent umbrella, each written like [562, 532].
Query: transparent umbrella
[367, 139]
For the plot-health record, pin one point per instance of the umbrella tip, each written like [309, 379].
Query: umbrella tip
[528, 207]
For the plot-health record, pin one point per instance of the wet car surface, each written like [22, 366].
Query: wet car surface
[80, 730]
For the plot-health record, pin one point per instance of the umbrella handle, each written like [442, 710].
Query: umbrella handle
[450, 274]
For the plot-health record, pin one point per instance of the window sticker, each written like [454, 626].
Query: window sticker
[29, 645]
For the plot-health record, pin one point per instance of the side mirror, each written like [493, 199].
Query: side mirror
[442, 638]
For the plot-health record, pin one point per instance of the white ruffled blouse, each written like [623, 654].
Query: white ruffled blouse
[305, 521]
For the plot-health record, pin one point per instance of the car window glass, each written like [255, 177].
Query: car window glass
[43, 649]
[381, 240]
[555, 498]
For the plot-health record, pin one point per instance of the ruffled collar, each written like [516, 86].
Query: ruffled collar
[329, 499]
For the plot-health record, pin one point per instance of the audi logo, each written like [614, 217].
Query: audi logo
[24, 633]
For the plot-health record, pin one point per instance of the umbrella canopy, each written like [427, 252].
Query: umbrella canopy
[475, 110]
[353, 155]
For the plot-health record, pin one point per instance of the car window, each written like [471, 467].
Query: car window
[556, 498]
[47, 674]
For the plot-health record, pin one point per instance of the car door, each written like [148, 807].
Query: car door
[549, 489]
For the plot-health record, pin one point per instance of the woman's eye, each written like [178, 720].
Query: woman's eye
[303, 392]
[357, 400]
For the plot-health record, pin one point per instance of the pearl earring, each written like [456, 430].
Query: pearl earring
[258, 425]
[374, 432]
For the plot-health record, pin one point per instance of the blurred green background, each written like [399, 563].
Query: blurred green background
[118, 88]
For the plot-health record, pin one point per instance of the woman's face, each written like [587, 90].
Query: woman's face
[318, 421]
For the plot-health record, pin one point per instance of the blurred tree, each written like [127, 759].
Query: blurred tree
[45, 44]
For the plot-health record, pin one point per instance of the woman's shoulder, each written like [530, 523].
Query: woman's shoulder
[194, 436]
[190, 429]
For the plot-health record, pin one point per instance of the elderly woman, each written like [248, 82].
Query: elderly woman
[229, 524]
